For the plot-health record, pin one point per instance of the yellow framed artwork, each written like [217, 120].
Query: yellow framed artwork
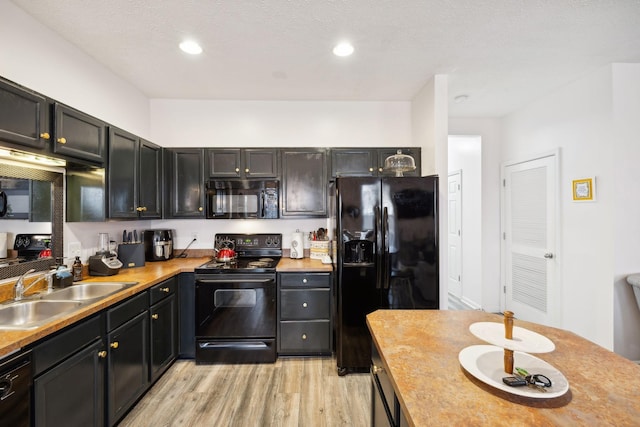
[584, 190]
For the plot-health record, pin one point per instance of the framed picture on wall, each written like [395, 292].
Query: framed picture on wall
[584, 190]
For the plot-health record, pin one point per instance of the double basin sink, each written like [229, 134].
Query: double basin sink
[35, 311]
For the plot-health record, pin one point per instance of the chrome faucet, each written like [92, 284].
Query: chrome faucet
[19, 286]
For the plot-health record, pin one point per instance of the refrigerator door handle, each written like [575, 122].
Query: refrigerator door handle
[386, 269]
[379, 249]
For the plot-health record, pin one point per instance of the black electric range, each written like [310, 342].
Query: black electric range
[236, 301]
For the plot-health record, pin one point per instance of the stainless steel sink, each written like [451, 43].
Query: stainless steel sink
[32, 314]
[87, 291]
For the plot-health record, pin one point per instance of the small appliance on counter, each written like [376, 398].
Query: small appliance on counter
[297, 245]
[104, 262]
[158, 244]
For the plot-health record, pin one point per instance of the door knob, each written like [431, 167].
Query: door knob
[548, 255]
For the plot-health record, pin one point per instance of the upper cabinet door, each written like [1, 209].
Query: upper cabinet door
[224, 163]
[353, 162]
[304, 182]
[123, 172]
[24, 117]
[79, 135]
[150, 179]
[260, 163]
[185, 172]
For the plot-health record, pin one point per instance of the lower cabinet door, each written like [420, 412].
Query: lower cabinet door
[303, 337]
[164, 335]
[72, 393]
[380, 413]
[128, 367]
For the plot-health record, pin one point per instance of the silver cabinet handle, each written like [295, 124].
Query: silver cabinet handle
[548, 255]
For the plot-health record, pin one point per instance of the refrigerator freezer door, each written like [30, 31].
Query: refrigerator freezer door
[411, 263]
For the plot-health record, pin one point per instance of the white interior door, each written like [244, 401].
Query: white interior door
[455, 233]
[529, 240]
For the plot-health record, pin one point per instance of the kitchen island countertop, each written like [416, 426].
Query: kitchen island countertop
[419, 351]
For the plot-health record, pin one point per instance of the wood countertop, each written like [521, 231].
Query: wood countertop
[419, 351]
[146, 276]
[303, 265]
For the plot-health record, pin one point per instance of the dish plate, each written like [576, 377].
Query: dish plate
[523, 339]
[486, 363]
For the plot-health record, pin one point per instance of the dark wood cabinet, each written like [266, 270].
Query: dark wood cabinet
[69, 377]
[150, 181]
[128, 360]
[185, 176]
[368, 161]
[24, 117]
[122, 171]
[247, 163]
[163, 315]
[304, 314]
[134, 176]
[79, 136]
[304, 183]
[385, 408]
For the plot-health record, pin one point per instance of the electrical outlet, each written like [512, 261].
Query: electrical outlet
[194, 236]
[75, 249]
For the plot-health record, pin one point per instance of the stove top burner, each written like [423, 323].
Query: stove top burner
[240, 264]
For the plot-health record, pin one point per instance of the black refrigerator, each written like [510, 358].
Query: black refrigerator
[386, 232]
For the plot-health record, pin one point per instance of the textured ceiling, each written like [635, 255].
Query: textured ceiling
[501, 53]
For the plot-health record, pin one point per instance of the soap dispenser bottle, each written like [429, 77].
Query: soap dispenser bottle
[77, 269]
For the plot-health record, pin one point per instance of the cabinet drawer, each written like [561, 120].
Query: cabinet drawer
[300, 304]
[118, 315]
[63, 345]
[307, 280]
[162, 290]
[304, 337]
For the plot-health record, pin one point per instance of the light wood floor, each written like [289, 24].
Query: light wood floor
[290, 392]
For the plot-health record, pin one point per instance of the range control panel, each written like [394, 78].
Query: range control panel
[250, 241]
[32, 242]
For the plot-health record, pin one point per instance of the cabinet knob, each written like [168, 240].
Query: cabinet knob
[164, 290]
[114, 344]
[370, 169]
[380, 170]
[45, 135]
[62, 140]
[304, 336]
[102, 354]
[376, 369]
[246, 170]
[304, 304]
[237, 169]
[155, 316]
[304, 280]
[141, 208]
[200, 209]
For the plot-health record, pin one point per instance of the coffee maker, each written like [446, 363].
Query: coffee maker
[158, 245]
[105, 262]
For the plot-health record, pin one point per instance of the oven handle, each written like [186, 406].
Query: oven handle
[254, 345]
[234, 281]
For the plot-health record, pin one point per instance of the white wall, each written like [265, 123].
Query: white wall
[489, 130]
[577, 120]
[465, 155]
[626, 110]
[35, 57]
[429, 128]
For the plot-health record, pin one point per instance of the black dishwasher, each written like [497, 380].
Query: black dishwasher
[15, 390]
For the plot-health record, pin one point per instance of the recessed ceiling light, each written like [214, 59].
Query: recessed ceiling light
[343, 49]
[191, 47]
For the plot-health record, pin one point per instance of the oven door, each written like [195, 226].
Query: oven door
[235, 318]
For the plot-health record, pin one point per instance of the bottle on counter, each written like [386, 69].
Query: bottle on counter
[77, 269]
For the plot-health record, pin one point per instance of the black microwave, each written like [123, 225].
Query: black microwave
[242, 199]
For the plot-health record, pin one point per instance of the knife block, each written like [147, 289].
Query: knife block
[131, 254]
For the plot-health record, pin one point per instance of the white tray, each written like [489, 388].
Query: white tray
[486, 363]
[523, 339]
